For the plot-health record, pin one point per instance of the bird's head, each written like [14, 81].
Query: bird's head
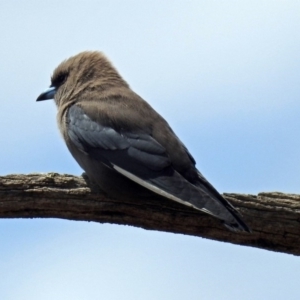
[83, 73]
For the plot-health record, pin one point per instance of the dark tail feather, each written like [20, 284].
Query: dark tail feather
[239, 225]
[233, 219]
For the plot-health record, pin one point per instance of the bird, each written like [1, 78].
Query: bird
[123, 144]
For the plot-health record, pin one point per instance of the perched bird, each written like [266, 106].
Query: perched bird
[122, 143]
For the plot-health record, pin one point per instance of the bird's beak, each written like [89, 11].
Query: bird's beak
[48, 94]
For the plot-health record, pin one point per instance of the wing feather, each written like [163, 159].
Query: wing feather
[139, 157]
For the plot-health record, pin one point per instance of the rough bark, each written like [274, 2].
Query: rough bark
[273, 217]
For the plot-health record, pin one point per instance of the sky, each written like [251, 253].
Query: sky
[224, 74]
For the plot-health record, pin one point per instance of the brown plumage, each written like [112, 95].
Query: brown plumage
[122, 143]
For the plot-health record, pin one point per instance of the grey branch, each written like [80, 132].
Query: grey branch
[273, 217]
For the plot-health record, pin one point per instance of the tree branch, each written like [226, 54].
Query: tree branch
[273, 217]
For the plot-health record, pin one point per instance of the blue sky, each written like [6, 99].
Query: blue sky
[225, 74]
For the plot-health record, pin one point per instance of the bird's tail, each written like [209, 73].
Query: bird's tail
[221, 208]
[239, 225]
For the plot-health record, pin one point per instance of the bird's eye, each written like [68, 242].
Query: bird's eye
[59, 80]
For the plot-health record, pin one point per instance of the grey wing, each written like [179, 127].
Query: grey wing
[139, 157]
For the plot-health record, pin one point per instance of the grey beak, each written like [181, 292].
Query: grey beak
[48, 94]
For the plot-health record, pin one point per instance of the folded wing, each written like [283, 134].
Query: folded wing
[139, 157]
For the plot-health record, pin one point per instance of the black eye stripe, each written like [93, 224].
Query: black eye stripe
[59, 80]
